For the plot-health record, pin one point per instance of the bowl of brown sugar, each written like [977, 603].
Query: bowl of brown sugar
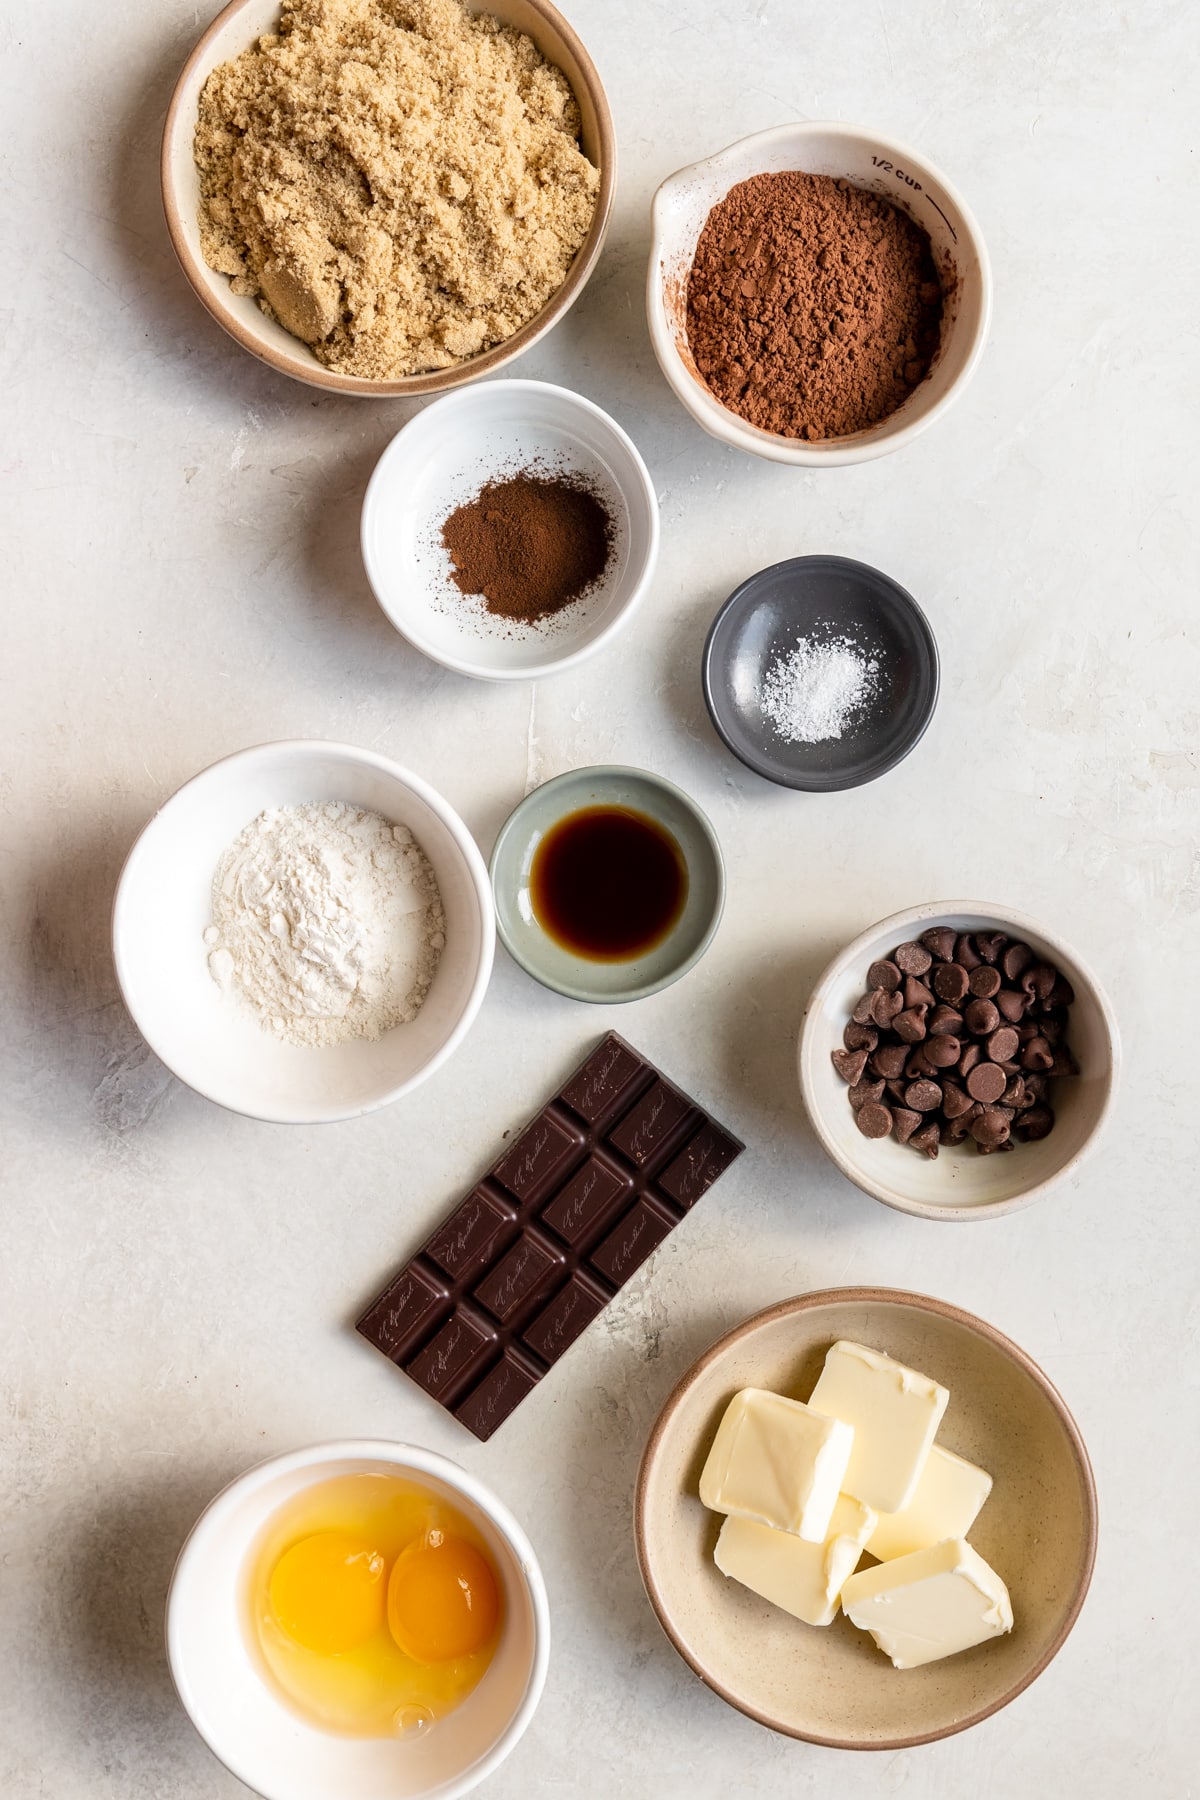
[388, 199]
[817, 294]
[510, 530]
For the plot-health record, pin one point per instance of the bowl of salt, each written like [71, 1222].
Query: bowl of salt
[820, 673]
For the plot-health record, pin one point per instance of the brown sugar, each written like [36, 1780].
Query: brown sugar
[398, 182]
[813, 307]
[530, 544]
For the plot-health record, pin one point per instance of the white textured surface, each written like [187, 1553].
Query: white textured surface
[183, 578]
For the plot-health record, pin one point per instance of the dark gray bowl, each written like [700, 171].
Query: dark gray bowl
[820, 597]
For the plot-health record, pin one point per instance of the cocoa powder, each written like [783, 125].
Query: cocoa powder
[530, 544]
[813, 307]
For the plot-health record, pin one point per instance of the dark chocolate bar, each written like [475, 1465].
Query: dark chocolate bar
[542, 1243]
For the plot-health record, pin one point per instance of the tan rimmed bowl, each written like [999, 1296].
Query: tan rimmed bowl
[234, 30]
[832, 1686]
[959, 1185]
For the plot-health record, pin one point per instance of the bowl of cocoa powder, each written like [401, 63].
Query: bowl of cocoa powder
[817, 294]
[510, 530]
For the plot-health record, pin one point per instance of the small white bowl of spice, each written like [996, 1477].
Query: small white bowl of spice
[304, 932]
[510, 530]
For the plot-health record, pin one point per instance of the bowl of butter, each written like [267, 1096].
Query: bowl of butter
[866, 1519]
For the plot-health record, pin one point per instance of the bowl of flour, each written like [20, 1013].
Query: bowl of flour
[304, 932]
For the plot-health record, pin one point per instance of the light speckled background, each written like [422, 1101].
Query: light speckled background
[183, 579]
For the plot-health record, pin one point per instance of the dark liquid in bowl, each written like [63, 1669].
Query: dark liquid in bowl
[608, 883]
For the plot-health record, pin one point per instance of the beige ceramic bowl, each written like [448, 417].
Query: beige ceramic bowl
[234, 30]
[832, 1686]
[870, 160]
[960, 1184]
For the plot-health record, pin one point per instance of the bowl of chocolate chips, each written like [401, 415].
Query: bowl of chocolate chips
[957, 1059]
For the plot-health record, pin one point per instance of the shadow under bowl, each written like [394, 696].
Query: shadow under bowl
[825, 601]
[550, 962]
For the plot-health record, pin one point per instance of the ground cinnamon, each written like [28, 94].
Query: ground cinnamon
[529, 544]
[813, 307]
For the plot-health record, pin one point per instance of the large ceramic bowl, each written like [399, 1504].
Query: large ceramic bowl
[960, 1184]
[831, 1685]
[255, 1734]
[234, 30]
[215, 1044]
[869, 160]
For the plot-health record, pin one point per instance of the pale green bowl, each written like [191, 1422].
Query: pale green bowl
[578, 977]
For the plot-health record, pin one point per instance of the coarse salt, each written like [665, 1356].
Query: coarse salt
[810, 694]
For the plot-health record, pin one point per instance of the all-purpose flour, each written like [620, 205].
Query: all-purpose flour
[328, 921]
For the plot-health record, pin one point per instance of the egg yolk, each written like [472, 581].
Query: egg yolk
[327, 1592]
[442, 1601]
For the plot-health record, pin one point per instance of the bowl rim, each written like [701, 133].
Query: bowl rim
[475, 869]
[629, 772]
[802, 1303]
[707, 410]
[402, 1455]
[550, 665]
[925, 915]
[313, 373]
[740, 597]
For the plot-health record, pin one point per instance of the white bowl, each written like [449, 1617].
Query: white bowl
[959, 1184]
[851, 153]
[255, 1734]
[164, 902]
[240, 24]
[441, 459]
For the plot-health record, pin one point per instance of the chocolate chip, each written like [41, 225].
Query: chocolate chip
[885, 1006]
[849, 1064]
[991, 1127]
[969, 1058]
[954, 1102]
[874, 1121]
[951, 982]
[896, 1089]
[1015, 961]
[1010, 1006]
[863, 1008]
[965, 953]
[956, 1131]
[1003, 1045]
[860, 1037]
[904, 1123]
[944, 1021]
[1036, 1086]
[1039, 980]
[1062, 993]
[918, 1063]
[1064, 1063]
[1037, 1123]
[1014, 1093]
[889, 1060]
[923, 1096]
[910, 1025]
[940, 940]
[942, 1052]
[884, 975]
[916, 993]
[995, 1149]
[990, 944]
[914, 959]
[865, 1093]
[986, 1083]
[984, 981]
[927, 1139]
[981, 1017]
[1037, 1054]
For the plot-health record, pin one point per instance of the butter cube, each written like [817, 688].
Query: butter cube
[946, 1504]
[895, 1413]
[777, 1461]
[804, 1579]
[931, 1604]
